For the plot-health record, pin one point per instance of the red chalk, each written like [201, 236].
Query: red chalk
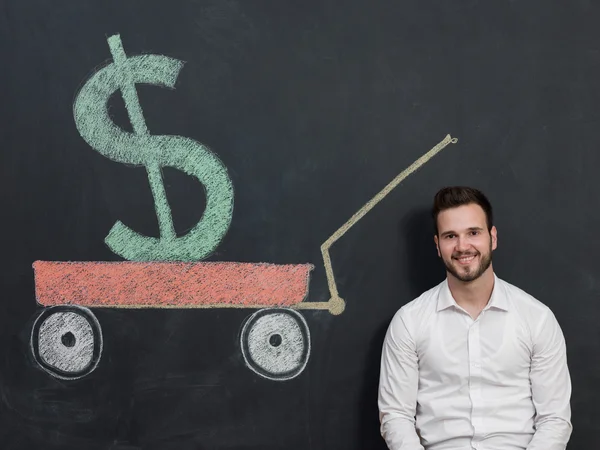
[170, 284]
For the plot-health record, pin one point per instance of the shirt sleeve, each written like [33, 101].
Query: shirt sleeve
[550, 387]
[398, 385]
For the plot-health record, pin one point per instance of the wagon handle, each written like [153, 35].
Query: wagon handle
[336, 304]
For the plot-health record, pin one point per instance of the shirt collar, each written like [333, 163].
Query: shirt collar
[497, 300]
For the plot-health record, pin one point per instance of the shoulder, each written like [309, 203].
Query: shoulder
[413, 314]
[522, 300]
[527, 307]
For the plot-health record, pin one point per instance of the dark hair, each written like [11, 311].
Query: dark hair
[453, 196]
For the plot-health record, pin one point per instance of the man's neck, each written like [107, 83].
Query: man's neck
[474, 295]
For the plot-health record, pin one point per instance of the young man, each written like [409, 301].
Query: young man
[479, 362]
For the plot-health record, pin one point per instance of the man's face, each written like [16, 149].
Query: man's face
[463, 241]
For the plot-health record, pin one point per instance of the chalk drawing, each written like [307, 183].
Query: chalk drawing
[171, 284]
[66, 341]
[154, 152]
[276, 343]
[336, 304]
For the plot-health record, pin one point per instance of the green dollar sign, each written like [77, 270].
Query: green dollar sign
[141, 148]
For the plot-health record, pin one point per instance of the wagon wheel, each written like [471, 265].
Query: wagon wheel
[276, 343]
[66, 341]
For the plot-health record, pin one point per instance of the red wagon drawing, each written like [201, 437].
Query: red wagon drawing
[66, 339]
[275, 340]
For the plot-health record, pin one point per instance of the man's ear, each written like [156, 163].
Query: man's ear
[494, 233]
[437, 244]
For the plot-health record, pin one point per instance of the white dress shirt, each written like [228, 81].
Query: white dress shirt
[499, 382]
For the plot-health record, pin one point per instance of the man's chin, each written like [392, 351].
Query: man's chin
[460, 274]
[467, 277]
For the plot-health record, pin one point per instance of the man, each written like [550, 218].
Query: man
[479, 362]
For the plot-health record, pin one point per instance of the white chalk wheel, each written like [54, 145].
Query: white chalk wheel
[276, 343]
[66, 341]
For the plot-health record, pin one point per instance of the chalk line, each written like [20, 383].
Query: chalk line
[337, 304]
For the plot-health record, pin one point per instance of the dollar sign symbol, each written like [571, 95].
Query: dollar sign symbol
[152, 151]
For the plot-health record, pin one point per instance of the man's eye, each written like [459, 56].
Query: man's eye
[474, 233]
[449, 236]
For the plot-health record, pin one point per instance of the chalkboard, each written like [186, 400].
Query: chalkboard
[212, 209]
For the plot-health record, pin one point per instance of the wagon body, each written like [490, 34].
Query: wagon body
[171, 284]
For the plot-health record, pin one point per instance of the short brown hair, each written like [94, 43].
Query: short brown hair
[453, 196]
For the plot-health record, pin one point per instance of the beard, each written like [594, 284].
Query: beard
[470, 274]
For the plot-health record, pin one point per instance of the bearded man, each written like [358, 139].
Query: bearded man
[474, 362]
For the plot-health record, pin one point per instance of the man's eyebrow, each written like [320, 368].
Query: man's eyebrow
[447, 232]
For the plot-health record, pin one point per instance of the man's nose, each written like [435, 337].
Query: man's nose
[462, 244]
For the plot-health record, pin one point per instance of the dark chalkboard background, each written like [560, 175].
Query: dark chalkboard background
[313, 107]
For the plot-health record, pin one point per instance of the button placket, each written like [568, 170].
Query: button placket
[475, 370]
